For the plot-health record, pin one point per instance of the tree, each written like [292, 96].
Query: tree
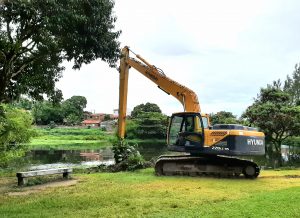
[147, 121]
[148, 107]
[73, 109]
[36, 36]
[69, 111]
[292, 85]
[223, 117]
[151, 125]
[276, 117]
[46, 112]
[15, 131]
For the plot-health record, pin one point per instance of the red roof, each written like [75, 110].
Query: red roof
[91, 121]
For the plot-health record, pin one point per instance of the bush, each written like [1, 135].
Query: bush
[15, 130]
[127, 157]
[51, 125]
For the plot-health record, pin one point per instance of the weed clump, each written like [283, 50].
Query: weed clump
[127, 157]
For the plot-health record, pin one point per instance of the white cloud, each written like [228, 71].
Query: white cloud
[223, 50]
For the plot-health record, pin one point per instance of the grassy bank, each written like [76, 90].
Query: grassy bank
[141, 194]
[78, 138]
[71, 138]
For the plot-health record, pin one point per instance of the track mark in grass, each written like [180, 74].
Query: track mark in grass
[292, 176]
[284, 176]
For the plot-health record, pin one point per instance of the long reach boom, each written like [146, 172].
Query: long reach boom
[184, 95]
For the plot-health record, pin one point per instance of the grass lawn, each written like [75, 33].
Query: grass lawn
[141, 194]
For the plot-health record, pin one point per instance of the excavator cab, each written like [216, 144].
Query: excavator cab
[186, 131]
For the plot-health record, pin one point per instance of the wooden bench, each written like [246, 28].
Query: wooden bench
[23, 175]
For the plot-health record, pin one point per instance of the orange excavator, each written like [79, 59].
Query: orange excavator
[206, 149]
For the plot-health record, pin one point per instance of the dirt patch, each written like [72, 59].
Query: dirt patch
[33, 189]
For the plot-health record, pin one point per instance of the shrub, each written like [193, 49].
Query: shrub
[127, 157]
[15, 130]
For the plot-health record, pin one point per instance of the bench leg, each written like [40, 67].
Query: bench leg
[65, 175]
[21, 181]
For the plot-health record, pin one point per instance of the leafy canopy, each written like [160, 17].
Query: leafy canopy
[223, 117]
[68, 112]
[292, 85]
[148, 107]
[37, 36]
[147, 121]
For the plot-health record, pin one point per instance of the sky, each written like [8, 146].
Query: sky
[223, 50]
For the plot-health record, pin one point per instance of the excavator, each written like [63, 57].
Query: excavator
[206, 149]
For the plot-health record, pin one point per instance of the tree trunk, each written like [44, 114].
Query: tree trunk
[277, 155]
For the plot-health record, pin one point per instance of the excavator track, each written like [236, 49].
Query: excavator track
[211, 165]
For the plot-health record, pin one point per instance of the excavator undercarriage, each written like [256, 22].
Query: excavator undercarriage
[211, 165]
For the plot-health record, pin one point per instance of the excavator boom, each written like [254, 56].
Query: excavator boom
[184, 95]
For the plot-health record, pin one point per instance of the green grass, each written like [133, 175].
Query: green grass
[141, 194]
[78, 139]
[71, 138]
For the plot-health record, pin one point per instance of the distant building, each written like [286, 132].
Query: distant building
[93, 119]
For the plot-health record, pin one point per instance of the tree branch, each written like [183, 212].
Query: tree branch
[9, 32]
[3, 54]
[22, 67]
[285, 137]
[27, 49]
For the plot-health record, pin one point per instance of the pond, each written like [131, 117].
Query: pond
[55, 158]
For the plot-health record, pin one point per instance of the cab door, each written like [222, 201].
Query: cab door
[186, 132]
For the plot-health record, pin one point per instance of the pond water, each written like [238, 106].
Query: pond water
[46, 159]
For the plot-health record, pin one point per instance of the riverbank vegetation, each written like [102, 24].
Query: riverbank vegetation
[141, 194]
[71, 138]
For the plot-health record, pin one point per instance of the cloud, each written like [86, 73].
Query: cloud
[223, 50]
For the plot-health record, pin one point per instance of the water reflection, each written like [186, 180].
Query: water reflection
[45, 159]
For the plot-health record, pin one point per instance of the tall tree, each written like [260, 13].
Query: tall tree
[36, 36]
[73, 109]
[275, 116]
[223, 117]
[292, 85]
[147, 122]
[148, 107]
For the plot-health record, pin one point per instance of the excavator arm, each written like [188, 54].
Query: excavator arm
[184, 95]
